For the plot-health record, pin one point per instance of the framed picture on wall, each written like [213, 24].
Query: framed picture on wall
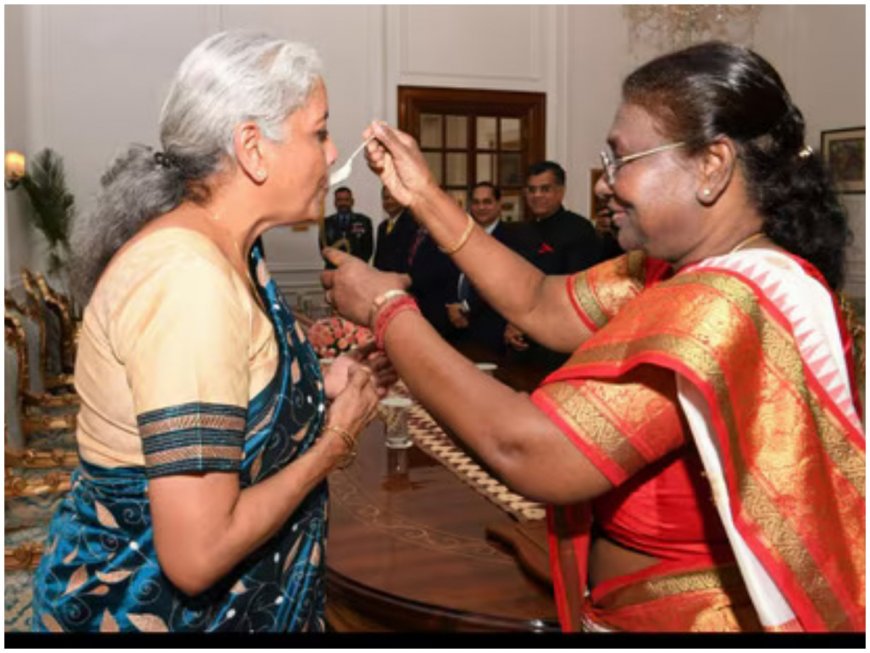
[843, 154]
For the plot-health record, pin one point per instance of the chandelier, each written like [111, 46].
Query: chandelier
[669, 27]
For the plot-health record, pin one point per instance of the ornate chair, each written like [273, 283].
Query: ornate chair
[62, 307]
[46, 459]
[13, 427]
[32, 495]
[35, 483]
[37, 380]
[55, 369]
[32, 419]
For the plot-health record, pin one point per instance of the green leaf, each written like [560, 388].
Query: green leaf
[53, 204]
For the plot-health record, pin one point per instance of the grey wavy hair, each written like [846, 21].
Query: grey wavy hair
[227, 79]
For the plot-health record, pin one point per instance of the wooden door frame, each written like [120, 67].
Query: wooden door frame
[414, 100]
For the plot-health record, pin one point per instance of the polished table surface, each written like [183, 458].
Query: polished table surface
[408, 551]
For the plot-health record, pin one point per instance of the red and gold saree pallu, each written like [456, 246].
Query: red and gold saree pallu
[769, 409]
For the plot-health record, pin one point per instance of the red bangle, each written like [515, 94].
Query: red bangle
[389, 311]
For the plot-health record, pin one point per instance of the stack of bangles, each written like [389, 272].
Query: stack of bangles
[385, 308]
[350, 443]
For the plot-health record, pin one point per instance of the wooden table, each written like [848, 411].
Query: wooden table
[407, 551]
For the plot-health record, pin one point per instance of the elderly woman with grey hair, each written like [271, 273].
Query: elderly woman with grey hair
[204, 433]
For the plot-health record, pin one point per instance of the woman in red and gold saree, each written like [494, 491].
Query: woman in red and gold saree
[728, 378]
[702, 450]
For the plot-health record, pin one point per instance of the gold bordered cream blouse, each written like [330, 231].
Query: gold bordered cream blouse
[170, 323]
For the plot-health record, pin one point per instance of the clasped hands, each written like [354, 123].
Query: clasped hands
[370, 360]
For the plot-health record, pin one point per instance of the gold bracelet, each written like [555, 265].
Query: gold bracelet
[381, 300]
[462, 239]
[349, 442]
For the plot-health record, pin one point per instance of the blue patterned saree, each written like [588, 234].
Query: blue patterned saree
[100, 570]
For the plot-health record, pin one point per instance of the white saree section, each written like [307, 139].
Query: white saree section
[807, 305]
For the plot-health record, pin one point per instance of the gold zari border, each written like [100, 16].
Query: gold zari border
[721, 578]
[193, 421]
[585, 417]
[602, 290]
[784, 425]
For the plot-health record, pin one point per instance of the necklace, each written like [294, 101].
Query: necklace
[749, 239]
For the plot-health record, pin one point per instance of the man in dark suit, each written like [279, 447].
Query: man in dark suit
[433, 282]
[345, 230]
[564, 242]
[396, 234]
[476, 320]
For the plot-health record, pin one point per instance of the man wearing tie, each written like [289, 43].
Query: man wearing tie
[470, 314]
[396, 235]
[345, 230]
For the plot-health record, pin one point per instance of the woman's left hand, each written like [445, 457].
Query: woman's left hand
[383, 373]
[353, 286]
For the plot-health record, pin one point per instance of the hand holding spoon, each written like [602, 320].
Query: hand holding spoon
[343, 172]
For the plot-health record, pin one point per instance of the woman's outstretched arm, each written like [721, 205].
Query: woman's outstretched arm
[521, 293]
[516, 439]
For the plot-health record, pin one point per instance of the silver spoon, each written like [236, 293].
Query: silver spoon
[343, 172]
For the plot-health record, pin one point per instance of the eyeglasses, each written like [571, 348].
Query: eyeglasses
[612, 163]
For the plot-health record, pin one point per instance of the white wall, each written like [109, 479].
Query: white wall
[86, 80]
[820, 51]
[18, 241]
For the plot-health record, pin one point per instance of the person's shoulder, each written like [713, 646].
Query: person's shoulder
[568, 214]
[579, 223]
[174, 245]
[522, 229]
[522, 237]
[407, 223]
[330, 217]
[169, 261]
[504, 229]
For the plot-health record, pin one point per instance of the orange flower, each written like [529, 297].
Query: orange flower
[334, 335]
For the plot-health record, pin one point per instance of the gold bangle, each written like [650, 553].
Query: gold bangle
[379, 301]
[462, 239]
[349, 442]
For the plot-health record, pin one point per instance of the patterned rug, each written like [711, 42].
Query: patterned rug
[17, 598]
[429, 437]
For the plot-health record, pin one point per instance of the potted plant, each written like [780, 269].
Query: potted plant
[53, 206]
